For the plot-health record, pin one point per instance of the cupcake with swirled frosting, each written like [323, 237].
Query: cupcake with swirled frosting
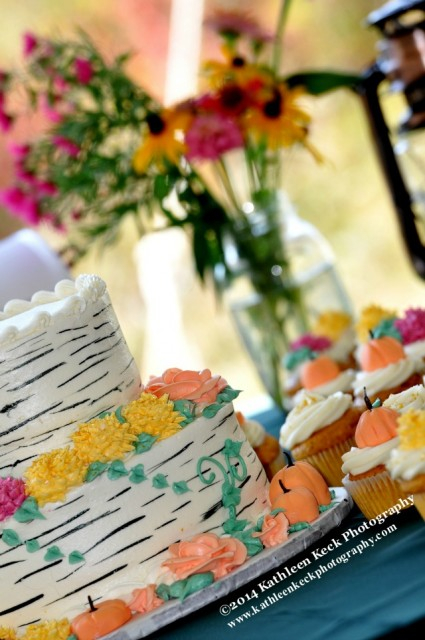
[411, 327]
[264, 444]
[364, 466]
[406, 464]
[320, 430]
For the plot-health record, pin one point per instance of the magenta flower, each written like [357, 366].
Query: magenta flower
[6, 121]
[66, 145]
[211, 135]
[83, 70]
[45, 188]
[312, 342]
[12, 495]
[19, 151]
[30, 43]
[52, 114]
[20, 204]
[412, 326]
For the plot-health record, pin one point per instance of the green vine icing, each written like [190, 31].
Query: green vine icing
[181, 589]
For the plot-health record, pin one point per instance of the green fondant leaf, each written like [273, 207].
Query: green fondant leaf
[232, 524]
[28, 511]
[294, 358]
[95, 469]
[72, 637]
[117, 470]
[377, 403]
[386, 327]
[11, 538]
[32, 546]
[181, 589]
[103, 414]
[232, 448]
[160, 481]
[325, 507]
[298, 526]
[75, 557]
[228, 395]
[137, 474]
[180, 487]
[333, 494]
[163, 592]
[119, 416]
[186, 408]
[211, 411]
[253, 545]
[53, 553]
[144, 442]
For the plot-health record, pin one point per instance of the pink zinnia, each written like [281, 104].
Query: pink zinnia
[412, 326]
[12, 495]
[20, 204]
[19, 151]
[5, 121]
[310, 341]
[211, 135]
[66, 145]
[83, 70]
[30, 43]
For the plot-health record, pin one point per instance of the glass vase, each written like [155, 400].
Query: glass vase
[278, 275]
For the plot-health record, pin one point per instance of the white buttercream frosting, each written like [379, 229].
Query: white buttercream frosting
[359, 460]
[342, 348]
[415, 349]
[386, 377]
[312, 413]
[343, 382]
[413, 398]
[254, 432]
[406, 464]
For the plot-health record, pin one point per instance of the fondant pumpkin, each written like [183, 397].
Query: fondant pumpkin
[380, 352]
[300, 474]
[318, 371]
[100, 619]
[298, 504]
[376, 425]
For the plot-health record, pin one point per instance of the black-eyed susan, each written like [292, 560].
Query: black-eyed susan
[163, 142]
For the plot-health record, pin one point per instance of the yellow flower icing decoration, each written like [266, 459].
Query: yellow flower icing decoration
[369, 318]
[103, 439]
[7, 634]
[412, 430]
[50, 476]
[332, 324]
[152, 415]
[52, 630]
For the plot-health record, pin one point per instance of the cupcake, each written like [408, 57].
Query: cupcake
[406, 464]
[385, 369]
[265, 445]
[412, 398]
[338, 327]
[324, 376]
[300, 351]
[320, 430]
[412, 331]
[364, 466]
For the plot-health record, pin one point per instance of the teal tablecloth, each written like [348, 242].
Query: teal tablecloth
[375, 594]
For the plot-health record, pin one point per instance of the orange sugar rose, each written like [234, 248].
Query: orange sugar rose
[274, 530]
[145, 599]
[178, 384]
[205, 552]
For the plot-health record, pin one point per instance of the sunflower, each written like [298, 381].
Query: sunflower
[163, 142]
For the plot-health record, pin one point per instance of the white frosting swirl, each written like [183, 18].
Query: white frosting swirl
[360, 460]
[343, 347]
[405, 465]
[386, 377]
[254, 432]
[415, 349]
[413, 398]
[312, 413]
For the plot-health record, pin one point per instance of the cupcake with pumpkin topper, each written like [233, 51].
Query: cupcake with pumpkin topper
[385, 368]
[300, 351]
[365, 475]
[322, 374]
[406, 464]
[319, 430]
[264, 444]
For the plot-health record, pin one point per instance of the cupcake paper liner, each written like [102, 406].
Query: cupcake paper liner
[329, 462]
[373, 494]
[419, 500]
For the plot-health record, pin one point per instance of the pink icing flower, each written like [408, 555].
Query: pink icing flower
[412, 326]
[206, 552]
[199, 386]
[315, 343]
[83, 70]
[145, 599]
[30, 43]
[211, 135]
[12, 495]
[274, 530]
[66, 145]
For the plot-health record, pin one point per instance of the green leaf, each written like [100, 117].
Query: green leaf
[117, 470]
[53, 553]
[11, 538]
[318, 82]
[137, 474]
[144, 442]
[28, 511]
[180, 487]
[160, 481]
[94, 470]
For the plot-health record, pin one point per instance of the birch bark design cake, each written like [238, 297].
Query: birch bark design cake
[100, 475]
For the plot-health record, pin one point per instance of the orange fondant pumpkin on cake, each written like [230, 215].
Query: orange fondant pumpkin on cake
[298, 504]
[300, 474]
[106, 616]
[318, 371]
[376, 425]
[380, 352]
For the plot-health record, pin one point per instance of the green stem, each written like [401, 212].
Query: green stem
[278, 43]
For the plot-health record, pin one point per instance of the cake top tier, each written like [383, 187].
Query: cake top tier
[69, 298]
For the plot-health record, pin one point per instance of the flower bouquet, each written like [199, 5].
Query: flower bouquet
[110, 151]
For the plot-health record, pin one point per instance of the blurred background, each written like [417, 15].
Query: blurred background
[168, 318]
